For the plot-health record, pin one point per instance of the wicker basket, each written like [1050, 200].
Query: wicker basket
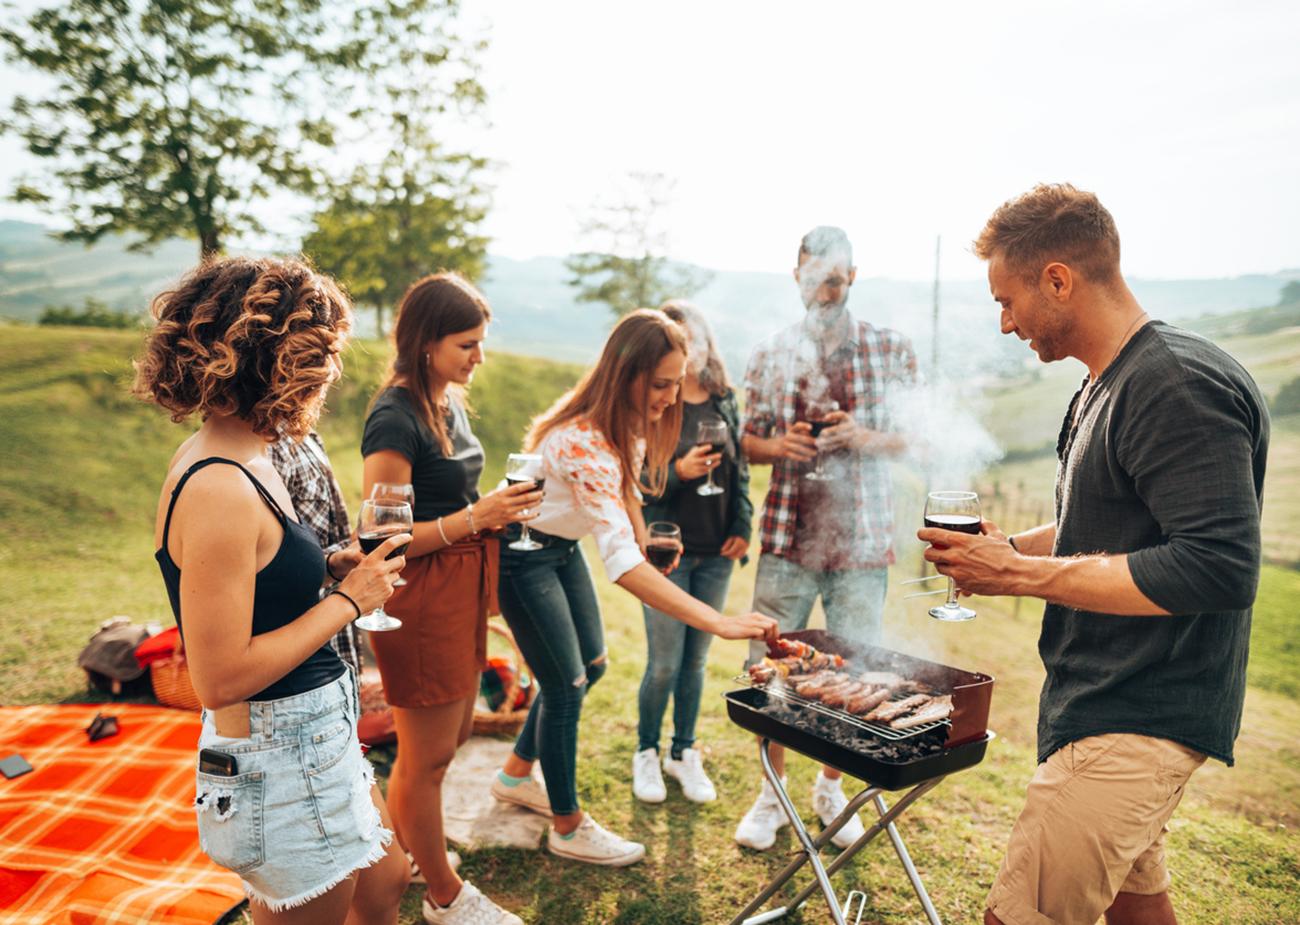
[504, 720]
[171, 683]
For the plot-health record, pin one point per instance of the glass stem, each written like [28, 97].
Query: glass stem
[952, 594]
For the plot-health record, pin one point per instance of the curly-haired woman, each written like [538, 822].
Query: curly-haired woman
[285, 798]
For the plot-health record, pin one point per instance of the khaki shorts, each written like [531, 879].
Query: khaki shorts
[1093, 826]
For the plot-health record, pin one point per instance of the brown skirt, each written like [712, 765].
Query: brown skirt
[439, 653]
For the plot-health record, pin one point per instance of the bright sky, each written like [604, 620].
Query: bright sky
[898, 121]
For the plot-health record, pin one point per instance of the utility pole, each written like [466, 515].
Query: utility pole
[934, 360]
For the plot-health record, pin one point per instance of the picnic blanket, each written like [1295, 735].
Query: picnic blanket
[101, 833]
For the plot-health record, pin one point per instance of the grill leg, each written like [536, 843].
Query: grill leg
[885, 824]
[808, 855]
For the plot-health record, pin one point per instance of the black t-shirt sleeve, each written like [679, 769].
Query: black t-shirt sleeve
[1189, 445]
[390, 427]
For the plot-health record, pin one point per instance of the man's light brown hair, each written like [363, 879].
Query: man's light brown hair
[1053, 223]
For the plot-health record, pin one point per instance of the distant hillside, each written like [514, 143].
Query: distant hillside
[535, 312]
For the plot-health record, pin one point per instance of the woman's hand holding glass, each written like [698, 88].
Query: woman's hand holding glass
[507, 505]
[697, 463]
[370, 582]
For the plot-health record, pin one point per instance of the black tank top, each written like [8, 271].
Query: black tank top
[286, 588]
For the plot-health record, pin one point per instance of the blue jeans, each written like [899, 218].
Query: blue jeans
[853, 599]
[549, 601]
[676, 653]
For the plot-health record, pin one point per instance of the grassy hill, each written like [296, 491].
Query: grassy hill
[80, 465]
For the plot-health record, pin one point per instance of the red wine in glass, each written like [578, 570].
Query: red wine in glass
[661, 554]
[816, 412]
[369, 542]
[382, 518]
[663, 545]
[395, 491]
[713, 435]
[958, 511]
[520, 468]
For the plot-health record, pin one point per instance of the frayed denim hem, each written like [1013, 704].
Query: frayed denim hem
[376, 854]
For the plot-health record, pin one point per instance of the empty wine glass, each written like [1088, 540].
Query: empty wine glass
[816, 412]
[521, 468]
[959, 511]
[711, 434]
[663, 545]
[394, 491]
[380, 519]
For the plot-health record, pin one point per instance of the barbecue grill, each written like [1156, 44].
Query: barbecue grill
[885, 758]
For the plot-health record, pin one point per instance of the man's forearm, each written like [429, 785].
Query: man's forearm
[762, 451]
[1038, 541]
[1102, 584]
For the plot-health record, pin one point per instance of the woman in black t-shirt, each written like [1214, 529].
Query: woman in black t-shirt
[417, 432]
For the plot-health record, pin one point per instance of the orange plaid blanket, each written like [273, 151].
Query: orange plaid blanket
[104, 832]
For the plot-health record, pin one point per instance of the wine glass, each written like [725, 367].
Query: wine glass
[521, 468]
[664, 545]
[396, 491]
[380, 519]
[816, 412]
[959, 511]
[711, 434]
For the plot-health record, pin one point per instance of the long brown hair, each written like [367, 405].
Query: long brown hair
[604, 396]
[434, 307]
[713, 373]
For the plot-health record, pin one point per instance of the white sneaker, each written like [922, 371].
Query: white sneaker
[594, 845]
[530, 794]
[647, 782]
[828, 802]
[696, 785]
[758, 827]
[470, 907]
[417, 876]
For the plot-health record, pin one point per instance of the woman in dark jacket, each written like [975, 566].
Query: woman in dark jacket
[715, 533]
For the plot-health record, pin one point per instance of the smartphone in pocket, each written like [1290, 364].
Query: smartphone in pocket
[217, 763]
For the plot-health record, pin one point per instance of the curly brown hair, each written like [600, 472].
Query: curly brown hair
[250, 337]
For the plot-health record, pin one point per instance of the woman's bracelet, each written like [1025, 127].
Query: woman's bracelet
[329, 571]
[442, 533]
[348, 599]
[469, 516]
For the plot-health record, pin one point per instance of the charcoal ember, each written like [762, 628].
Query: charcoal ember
[854, 738]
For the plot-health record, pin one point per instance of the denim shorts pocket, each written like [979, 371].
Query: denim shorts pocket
[230, 819]
[329, 743]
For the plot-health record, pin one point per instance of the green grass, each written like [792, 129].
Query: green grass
[80, 465]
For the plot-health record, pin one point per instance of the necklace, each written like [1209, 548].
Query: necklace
[1124, 340]
[1092, 380]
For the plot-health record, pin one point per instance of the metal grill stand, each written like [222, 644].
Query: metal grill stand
[811, 848]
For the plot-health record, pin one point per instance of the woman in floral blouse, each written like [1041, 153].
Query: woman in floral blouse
[628, 408]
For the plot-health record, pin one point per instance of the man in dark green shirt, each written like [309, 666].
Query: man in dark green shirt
[1149, 568]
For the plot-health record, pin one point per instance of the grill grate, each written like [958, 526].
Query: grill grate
[881, 730]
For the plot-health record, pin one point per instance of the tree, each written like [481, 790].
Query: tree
[632, 269]
[415, 211]
[411, 216]
[1290, 295]
[172, 117]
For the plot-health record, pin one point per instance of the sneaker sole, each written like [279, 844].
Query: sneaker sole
[620, 861]
[657, 798]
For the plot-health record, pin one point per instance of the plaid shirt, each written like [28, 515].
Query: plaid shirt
[881, 362]
[317, 499]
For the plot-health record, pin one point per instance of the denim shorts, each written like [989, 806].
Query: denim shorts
[297, 818]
